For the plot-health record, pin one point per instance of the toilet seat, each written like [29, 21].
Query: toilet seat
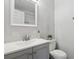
[58, 54]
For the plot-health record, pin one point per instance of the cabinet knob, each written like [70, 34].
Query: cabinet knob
[34, 52]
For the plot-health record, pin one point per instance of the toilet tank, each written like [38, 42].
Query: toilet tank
[52, 44]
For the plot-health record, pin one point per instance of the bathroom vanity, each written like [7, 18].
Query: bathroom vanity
[32, 49]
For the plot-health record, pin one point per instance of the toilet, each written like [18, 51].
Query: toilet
[56, 53]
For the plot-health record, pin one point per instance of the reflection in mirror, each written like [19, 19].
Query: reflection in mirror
[23, 12]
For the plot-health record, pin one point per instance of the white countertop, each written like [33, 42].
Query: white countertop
[20, 45]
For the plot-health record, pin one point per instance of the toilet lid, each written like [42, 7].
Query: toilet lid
[58, 53]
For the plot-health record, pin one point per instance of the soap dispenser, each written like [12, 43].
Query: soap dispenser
[38, 34]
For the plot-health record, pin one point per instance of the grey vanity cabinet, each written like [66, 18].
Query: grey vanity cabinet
[36, 52]
[23, 54]
[41, 52]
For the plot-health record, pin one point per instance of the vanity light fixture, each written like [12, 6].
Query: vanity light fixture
[36, 1]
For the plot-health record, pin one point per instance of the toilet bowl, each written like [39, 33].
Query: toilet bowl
[56, 53]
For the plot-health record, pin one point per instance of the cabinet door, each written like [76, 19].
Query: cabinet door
[41, 52]
[23, 54]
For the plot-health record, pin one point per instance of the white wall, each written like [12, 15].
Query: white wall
[51, 24]
[64, 27]
[15, 33]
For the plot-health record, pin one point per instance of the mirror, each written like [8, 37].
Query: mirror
[23, 13]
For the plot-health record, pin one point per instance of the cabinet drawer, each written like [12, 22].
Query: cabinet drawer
[17, 54]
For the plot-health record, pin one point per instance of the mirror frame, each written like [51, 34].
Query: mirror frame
[11, 15]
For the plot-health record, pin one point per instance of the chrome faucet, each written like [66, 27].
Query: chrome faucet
[26, 37]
